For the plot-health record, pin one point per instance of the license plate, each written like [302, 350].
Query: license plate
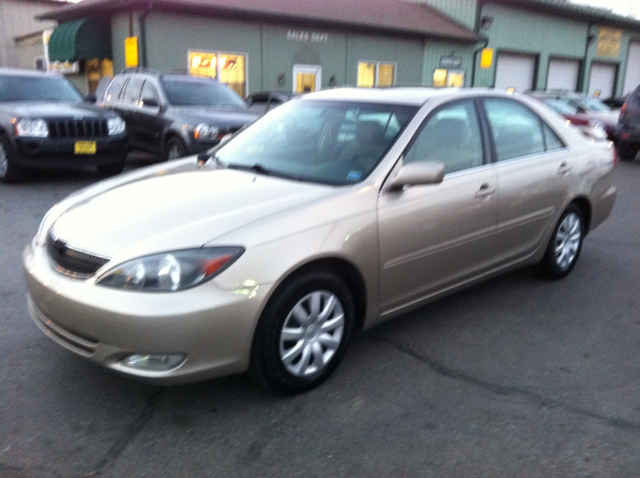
[85, 147]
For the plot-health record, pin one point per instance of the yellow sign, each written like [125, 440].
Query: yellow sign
[487, 58]
[609, 42]
[85, 147]
[131, 52]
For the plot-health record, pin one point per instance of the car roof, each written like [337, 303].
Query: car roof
[413, 96]
[25, 72]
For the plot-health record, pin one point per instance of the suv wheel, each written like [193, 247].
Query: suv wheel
[174, 149]
[9, 171]
[628, 151]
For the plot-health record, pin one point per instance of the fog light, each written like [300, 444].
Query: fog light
[154, 362]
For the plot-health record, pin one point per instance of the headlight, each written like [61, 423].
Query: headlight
[116, 125]
[32, 127]
[171, 271]
[205, 132]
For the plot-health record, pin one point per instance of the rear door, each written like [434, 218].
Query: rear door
[535, 175]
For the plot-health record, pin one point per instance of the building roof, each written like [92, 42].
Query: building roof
[390, 16]
[575, 11]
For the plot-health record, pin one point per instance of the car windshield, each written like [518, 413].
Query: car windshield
[561, 106]
[37, 88]
[593, 104]
[326, 142]
[189, 91]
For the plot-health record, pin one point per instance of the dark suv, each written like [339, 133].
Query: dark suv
[628, 130]
[175, 114]
[45, 122]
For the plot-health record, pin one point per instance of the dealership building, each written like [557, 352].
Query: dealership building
[306, 45]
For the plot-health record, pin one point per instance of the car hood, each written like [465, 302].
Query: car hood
[220, 116]
[54, 109]
[185, 208]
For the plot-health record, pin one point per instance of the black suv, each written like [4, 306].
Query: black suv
[45, 122]
[628, 129]
[175, 114]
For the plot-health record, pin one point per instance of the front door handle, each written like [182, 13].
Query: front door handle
[485, 190]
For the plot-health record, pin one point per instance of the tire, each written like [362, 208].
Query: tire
[174, 149]
[303, 333]
[565, 244]
[106, 170]
[628, 151]
[9, 171]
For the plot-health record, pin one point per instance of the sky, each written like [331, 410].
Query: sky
[621, 7]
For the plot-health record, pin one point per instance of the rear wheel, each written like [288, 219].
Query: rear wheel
[174, 149]
[303, 333]
[565, 244]
[9, 171]
[628, 151]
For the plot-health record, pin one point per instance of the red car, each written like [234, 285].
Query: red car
[593, 117]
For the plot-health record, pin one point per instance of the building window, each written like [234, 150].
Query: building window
[448, 78]
[227, 68]
[372, 74]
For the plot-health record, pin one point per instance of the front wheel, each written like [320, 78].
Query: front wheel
[565, 244]
[303, 333]
[10, 172]
[174, 149]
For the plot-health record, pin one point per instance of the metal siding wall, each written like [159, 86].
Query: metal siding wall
[523, 31]
[171, 52]
[279, 54]
[406, 54]
[435, 50]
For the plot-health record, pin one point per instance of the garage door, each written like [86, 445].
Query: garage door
[632, 78]
[563, 74]
[602, 80]
[515, 71]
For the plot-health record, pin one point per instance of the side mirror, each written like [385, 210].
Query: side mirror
[150, 102]
[418, 173]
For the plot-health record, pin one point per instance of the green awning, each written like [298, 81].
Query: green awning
[83, 39]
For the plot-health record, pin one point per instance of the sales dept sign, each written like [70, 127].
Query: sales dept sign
[305, 36]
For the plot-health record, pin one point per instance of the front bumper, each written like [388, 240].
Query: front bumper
[213, 327]
[46, 152]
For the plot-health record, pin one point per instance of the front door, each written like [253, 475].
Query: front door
[306, 78]
[435, 236]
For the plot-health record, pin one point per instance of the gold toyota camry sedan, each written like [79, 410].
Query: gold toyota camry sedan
[330, 214]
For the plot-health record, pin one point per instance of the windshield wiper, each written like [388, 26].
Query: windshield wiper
[261, 169]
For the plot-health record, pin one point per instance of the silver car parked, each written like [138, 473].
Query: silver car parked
[332, 213]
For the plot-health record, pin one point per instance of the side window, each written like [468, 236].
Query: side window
[149, 92]
[113, 91]
[551, 140]
[132, 90]
[451, 135]
[516, 130]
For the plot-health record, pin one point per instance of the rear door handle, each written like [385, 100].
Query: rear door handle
[564, 169]
[485, 190]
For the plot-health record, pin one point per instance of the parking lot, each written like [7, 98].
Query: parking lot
[515, 377]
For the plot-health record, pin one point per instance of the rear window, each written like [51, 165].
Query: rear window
[188, 91]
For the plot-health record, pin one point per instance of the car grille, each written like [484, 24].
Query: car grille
[71, 260]
[83, 128]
